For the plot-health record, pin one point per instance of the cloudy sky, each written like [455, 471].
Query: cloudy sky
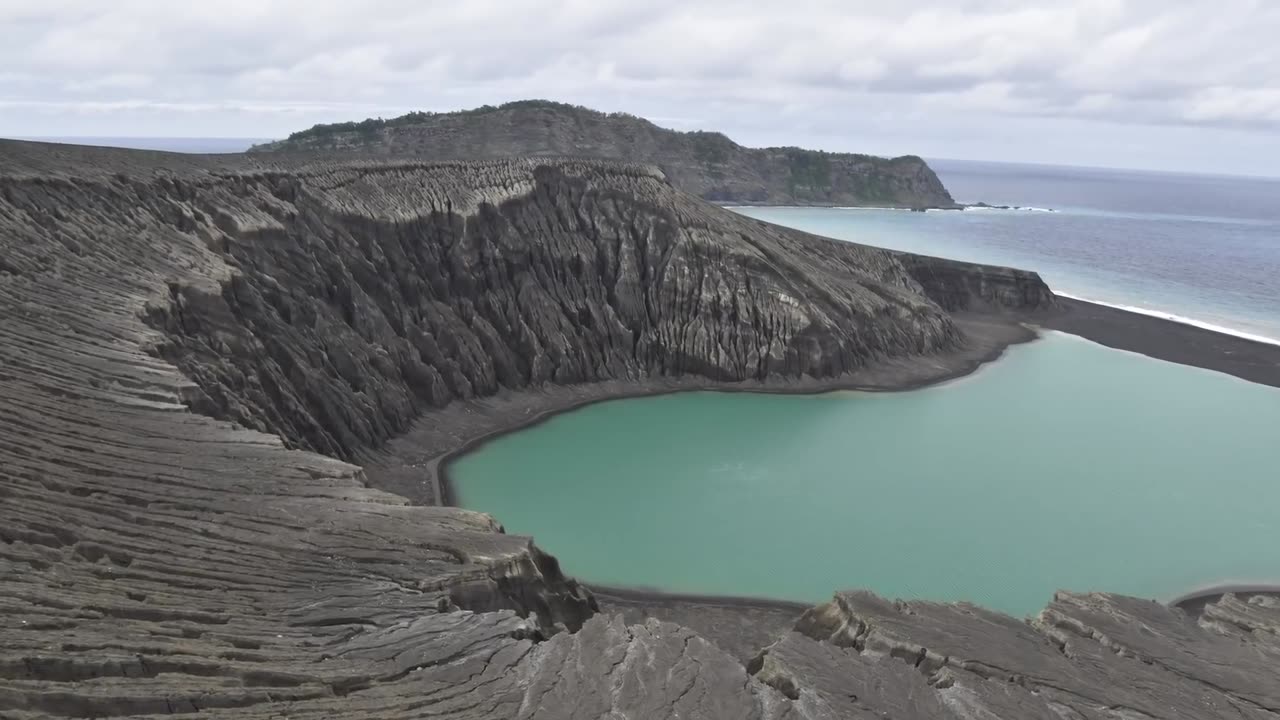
[1161, 84]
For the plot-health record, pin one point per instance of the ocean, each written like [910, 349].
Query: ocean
[1200, 249]
[1065, 464]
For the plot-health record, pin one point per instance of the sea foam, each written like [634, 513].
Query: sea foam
[1009, 208]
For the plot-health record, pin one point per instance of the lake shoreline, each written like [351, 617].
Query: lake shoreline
[1167, 340]
[416, 464]
[398, 467]
[989, 336]
[477, 422]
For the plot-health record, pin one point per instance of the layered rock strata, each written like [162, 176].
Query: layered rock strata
[194, 352]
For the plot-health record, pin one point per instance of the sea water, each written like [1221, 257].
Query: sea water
[1203, 249]
[1063, 465]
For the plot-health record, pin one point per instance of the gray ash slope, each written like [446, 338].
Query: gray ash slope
[158, 561]
[706, 164]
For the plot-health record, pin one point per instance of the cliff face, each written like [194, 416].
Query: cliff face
[958, 286]
[705, 164]
[159, 561]
[360, 296]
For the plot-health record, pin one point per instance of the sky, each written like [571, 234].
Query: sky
[1190, 85]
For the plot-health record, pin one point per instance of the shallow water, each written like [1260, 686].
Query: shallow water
[1063, 465]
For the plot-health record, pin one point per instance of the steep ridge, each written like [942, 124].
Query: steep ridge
[706, 164]
[159, 561]
[409, 301]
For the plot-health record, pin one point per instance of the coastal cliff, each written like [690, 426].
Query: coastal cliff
[364, 295]
[199, 354]
[958, 286]
[706, 164]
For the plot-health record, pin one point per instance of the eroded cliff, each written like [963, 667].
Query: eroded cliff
[159, 561]
[360, 296]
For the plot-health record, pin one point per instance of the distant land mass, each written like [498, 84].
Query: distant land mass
[706, 164]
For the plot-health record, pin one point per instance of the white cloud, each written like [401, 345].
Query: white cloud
[805, 66]
[1229, 104]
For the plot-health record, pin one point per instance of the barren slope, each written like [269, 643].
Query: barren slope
[158, 561]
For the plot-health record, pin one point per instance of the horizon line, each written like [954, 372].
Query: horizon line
[246, 138]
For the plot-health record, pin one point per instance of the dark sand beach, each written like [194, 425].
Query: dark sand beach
[1168, 340]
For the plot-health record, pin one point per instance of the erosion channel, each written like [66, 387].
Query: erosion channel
[228, 382]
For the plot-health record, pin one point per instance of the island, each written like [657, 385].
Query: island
[706, 164]
[228, 382]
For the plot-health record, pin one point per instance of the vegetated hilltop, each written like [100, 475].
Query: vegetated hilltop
[706, 164]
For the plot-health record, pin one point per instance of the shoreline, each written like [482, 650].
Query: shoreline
[1119, 329]
[1164, 339]
[623, 593]
[957, 207]
[992, 336]
[1173, 317]
[416, 464]
[729, 205]
[1194, 602]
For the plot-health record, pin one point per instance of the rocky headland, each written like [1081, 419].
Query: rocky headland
[706, 164]
[215, 371]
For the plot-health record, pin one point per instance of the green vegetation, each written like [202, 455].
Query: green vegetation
[810, 169]
[872, 187]
[370, 127]
[706, 163]
[711, 147]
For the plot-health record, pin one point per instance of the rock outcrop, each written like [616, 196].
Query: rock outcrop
[234, 561]
[1089, 656]
[706, 164]
[957, 286]
[363, 295]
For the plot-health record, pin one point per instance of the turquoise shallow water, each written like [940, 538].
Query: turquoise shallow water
[1063, 465]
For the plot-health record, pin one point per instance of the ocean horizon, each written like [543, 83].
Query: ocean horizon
[1201, 250]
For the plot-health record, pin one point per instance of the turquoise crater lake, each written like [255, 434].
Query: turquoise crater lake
[1062, 465]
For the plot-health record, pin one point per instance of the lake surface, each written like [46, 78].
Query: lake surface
[1203, 248]
[1063, 465]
